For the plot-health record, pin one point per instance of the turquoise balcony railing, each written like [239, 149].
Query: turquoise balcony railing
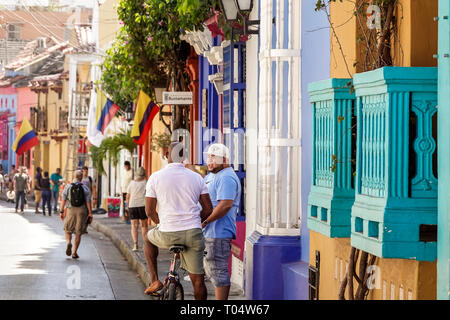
[332, 191]
[395, 209]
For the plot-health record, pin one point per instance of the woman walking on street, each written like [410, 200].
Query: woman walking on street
[136, 206]
[46, 194]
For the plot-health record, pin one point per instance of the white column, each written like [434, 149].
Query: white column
[278, 213]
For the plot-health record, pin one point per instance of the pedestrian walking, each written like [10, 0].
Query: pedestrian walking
[12, 173]
[46, 194]
[127, 176]
[87, 179]
[2, 178]
[2, 181]
[55, 180]
[25, 170]
[79, 212]
[136, 206]
[37, 188]
[177, 191]
[224, 189]
[20, 188]
[10, 184]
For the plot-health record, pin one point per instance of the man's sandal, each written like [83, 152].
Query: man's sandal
[154, 287]
[69, 249]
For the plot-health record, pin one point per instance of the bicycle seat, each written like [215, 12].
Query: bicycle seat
[177, 248]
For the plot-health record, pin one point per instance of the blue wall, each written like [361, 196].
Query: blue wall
[315, 66]
[205, 69]
[443, 244]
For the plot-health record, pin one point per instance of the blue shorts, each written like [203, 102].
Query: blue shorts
[216, 261]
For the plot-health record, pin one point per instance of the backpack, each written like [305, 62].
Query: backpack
[77, 197]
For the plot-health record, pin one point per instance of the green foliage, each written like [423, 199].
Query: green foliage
[160, 140]
[97, 155]
[112, 146]
[148, 50]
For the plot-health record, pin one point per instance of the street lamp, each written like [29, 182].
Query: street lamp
[233, 8]
[129, 114]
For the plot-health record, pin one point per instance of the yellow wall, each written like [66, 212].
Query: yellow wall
[415, 46]
[52, 153]
[340, 14]
[418, 279]
[109, 23]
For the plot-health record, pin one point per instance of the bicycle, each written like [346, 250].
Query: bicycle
[172, 288]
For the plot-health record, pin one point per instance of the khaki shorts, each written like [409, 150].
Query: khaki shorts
[192, 257]
[37, 195]
[76, 220]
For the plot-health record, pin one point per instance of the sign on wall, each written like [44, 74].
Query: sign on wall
[177, 97]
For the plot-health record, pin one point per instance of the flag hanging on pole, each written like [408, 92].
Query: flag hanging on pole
[101, 113]
[26, 139]
[146, 110]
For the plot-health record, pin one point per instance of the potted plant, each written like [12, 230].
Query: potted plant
[160, 143]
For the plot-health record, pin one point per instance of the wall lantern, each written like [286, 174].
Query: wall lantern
[129, 114]
[233, 8]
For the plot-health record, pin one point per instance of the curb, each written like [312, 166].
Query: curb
[132, 261]
[125, 250]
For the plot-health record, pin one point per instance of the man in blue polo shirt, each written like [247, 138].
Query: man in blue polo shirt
[220, 227]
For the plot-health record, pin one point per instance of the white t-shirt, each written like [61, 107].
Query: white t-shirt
[177, 190]
[127, 176]
[136, 190]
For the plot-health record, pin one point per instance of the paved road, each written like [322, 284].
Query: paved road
[34, 265]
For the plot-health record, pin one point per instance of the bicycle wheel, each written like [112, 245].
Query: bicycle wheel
[175, 291]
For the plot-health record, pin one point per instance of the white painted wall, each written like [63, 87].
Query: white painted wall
[251, 125]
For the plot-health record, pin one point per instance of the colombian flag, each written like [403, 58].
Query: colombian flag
[26, 139]
[146, 110]
[105, 112]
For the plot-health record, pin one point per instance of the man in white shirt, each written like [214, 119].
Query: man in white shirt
[177, 190]
[127, 176]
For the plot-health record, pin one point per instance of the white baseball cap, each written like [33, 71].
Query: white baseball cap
[219, 150]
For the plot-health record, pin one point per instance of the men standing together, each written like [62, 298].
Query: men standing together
[177, 191]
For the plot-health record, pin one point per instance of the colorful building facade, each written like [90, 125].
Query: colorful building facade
[8, 106]
[385, 202]
[443, 243]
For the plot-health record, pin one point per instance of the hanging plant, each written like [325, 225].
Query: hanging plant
[160, 141]
[111, 146]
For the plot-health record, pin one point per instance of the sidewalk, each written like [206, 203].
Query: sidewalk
[120, 234]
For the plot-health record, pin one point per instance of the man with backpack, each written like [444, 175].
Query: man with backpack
[79, 212]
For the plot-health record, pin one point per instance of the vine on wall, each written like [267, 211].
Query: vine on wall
[377, 34]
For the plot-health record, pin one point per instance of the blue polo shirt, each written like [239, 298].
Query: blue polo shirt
[224, 185]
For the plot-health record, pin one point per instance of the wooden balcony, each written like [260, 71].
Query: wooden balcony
[395, 209]
[332, 191]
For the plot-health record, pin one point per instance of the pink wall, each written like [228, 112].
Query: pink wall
[25, 100]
